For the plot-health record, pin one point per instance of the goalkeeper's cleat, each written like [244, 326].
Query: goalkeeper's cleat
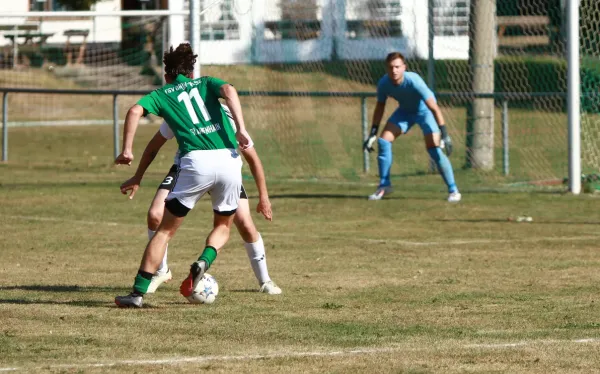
[270, 288]
[381, 191]
[133, 300]
[159, 278]
[454, 197]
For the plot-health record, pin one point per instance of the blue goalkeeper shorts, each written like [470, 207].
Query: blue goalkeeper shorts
[406, 121]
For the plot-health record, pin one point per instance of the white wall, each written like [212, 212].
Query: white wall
[7, 7]
[12, 6]
[102, 29]
[253, 47]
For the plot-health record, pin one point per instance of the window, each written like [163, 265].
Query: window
[451, 17]
[47, 5]
[219, 23]
[292, 19]
[373, 19]
[37, 5]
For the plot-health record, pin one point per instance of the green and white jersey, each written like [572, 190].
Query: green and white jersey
[192, 109]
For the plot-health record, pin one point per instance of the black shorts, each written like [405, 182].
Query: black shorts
[169, 182]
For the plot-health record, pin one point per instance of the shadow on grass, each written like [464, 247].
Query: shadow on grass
[25, 185]
[505, 220]
[245, 290]
[509, 191]
[84, 303]
[63, 288]
[319, 196]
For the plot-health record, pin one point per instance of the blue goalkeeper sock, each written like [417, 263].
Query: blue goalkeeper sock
[384, 161]
[444, 167]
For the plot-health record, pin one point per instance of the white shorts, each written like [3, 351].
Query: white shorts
[216, 171]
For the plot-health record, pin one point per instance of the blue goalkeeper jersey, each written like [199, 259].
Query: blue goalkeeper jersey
[411, 94]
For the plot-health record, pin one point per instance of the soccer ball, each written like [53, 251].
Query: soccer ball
[206, 291]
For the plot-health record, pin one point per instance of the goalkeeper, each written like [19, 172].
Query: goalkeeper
[417, 104]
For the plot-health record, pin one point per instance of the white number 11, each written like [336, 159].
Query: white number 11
[187, 100]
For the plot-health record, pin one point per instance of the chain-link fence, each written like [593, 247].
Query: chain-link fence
[337, 46]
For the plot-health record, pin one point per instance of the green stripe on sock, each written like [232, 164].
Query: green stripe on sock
[141, 284]
[208, 255]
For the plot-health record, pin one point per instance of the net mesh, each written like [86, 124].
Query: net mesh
[339, 46]
[590, 68]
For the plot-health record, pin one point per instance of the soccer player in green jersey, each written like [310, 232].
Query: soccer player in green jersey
[253, 242]
[208, 161]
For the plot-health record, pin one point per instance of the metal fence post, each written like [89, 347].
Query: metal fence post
[505, 160]
[5, 127]
[365, 131]
[116, 125]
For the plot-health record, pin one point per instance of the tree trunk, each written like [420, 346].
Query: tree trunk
[480, 132]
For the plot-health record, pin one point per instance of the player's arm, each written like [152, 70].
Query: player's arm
[256, 167]
[439, 118]
[232, 100]
[377, 116]
[131, 123]
[147, 104]
[150, 152]
[437, 112]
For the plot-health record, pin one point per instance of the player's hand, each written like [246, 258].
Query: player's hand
[264, 208]
[243, 139]
[368, 144]
[124, 158]
[132, 184]
[446, 143]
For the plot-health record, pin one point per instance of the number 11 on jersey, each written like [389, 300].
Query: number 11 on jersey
[187, 101]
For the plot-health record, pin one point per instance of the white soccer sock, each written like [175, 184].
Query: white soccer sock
[163, 267]
[258, 259]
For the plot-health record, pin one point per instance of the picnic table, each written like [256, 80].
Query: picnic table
[26, 41]
[81, 50]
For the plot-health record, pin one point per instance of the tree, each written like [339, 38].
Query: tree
[480, 124]
[77, 4]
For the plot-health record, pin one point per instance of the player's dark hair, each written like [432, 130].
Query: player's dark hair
[180, 60]
[394, 55]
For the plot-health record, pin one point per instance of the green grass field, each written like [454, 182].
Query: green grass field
[410, 284]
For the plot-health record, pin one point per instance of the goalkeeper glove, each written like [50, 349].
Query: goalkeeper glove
[368, 144]
[446, 141]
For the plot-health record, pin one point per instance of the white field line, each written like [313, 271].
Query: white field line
[330, 237]
[351, 352]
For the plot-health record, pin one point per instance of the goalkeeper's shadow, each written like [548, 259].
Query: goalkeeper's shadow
[324, 196]
[513, 220]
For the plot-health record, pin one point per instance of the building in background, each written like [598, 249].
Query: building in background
[263, 31]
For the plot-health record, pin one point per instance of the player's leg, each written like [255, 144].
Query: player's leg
[215, 241]
[189, 186]
[155, 215]
[153, 255]
[397, 125]
[225, 196]
[255, 247]
[431, 133]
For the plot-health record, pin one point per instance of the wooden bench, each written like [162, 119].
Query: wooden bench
[32, 40]
[69, 53]
[535, 29]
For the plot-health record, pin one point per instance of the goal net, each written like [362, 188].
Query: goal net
[270, 49]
